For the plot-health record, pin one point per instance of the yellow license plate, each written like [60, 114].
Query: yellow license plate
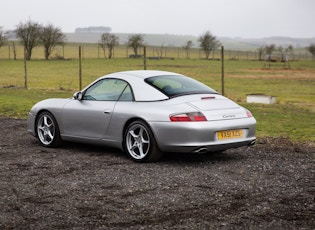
[229, 134]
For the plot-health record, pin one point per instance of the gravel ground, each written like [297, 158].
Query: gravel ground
[268, 186]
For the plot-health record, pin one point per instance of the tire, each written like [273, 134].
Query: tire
[47, 130]
[139, 143]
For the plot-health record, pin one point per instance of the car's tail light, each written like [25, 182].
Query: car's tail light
[249, 114]
[196, 116]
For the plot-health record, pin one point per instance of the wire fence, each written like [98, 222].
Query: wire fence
[93, 51]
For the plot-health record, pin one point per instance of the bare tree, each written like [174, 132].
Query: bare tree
[270, 49]
[110, 41]
[51, 36]
[29, 35]
[135, 42]
[14, 49]
[187, 47]
[3, 38]
[102, 44]
[208, 43]
[113, 41]
[285, 51]
[311, 49]
[261, 51]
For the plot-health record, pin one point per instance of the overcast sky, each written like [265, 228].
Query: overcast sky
[231, 18]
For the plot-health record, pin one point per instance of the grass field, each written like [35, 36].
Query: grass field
[292, 116]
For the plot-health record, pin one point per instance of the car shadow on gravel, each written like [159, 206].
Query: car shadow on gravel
[193, 158]
[168, 157]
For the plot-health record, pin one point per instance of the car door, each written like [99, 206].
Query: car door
[90, 117]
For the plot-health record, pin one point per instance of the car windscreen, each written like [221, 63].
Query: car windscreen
[178, 85]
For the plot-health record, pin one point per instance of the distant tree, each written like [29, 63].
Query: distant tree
[311, 49]
[112, 42]
[187, 47]
[261, 51]
[208, 43]
[14, 49]
[51, 36]
[108, 41]
[102, 44]
[284, 51]
[29, 36]
[3, 38]
[135, 42]
[289, 49]
[270, 49]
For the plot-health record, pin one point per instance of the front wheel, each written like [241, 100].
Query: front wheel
[140, 143]
[47, 130]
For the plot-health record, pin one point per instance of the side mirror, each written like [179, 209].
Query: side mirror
[78, 96]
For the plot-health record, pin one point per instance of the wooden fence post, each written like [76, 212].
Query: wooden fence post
[25, 70]
[222, 70]
[144, 57]
[80, 69]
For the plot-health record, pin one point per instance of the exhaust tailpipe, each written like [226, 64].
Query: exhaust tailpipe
[201, 150]
[252, 143]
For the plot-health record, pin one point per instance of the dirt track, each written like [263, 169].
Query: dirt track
[268, 186]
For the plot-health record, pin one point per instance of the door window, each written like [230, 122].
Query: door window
[109, 90]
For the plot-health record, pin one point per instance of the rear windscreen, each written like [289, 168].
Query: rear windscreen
[177, 85]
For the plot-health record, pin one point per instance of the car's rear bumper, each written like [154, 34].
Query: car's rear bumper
[202, 136]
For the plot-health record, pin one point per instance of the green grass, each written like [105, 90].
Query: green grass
[292, 116]
[16, 103]
[296, 123]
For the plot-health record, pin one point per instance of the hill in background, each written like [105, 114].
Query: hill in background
[169, 40]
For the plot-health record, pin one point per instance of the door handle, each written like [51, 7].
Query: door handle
[107, 111]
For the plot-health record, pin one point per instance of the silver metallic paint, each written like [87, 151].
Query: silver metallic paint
[103, 122]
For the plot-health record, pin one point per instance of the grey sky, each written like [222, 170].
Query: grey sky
[231, 18]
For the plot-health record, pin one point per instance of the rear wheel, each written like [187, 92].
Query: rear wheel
[140, 143]
[47, 130]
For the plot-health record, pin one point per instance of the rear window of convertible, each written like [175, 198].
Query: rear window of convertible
[178, 85]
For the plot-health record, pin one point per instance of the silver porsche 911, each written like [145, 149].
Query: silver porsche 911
[145, 113]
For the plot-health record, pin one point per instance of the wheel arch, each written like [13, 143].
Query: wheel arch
[54, 132]
[128, 122]
[152, 152]
[39, 112]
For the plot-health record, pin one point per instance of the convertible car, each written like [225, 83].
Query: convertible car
[145, 113]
